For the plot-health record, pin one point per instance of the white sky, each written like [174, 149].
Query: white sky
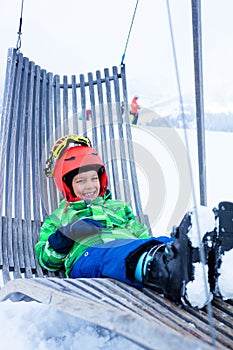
[76, 36]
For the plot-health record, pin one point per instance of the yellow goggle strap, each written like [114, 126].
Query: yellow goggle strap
[60, 146]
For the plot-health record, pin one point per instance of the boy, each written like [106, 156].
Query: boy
[91, 235]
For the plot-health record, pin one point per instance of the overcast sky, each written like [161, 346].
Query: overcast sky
[77, 36]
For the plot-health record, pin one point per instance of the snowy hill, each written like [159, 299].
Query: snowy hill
[161, 156]
[167, 113]
[213, 122]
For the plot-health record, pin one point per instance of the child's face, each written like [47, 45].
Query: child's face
[86, 185]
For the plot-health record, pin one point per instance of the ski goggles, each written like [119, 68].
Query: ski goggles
[60, 146]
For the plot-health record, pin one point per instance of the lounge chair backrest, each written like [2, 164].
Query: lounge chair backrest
[38, 108]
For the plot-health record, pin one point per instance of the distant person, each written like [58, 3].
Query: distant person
[134, 108]
[88, 114]
[122, 108]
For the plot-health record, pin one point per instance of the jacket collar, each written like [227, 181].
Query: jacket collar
[82, 204]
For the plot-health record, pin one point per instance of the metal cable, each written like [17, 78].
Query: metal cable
[18, 44]
[209, 306]
[127, 41]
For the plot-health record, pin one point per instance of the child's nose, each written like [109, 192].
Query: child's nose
[89, 183]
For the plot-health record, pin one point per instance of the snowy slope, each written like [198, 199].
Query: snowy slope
[164, 172]
[159, 112]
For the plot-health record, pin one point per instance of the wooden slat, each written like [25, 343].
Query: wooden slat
[74, 106]
[19, 145]
[36, 149]
[121, 144]
[112, 140]
[102, 120]
[133, 174]
[26, 249]
[44, 146]
[83, 104]
[65, 126]
[28, 173]
[57, 106]
[50, 137]
[197, 319]
[6, 121]
[17, 253]
[11, 140]
[4, 258]
[94, 136]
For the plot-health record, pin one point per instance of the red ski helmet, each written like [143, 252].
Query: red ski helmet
[73, 161]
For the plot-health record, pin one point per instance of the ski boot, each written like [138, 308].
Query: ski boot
[178, 269]
[223, 272]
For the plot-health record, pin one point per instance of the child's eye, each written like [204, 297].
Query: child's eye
[79, 181]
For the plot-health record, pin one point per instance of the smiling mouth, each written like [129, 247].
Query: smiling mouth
[89, 194]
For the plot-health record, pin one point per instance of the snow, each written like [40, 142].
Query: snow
[225, 280]
[202, 221]
[198, 291]
[29, 326]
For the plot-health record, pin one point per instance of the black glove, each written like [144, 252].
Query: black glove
[60, 243]
[63, 239]
[80, 229]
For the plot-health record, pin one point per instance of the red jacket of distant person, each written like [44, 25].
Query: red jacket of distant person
[134, 106]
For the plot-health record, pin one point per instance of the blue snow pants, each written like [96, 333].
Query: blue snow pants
[109, 259]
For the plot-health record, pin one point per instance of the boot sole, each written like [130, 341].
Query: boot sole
[196, 291]
[224, 252]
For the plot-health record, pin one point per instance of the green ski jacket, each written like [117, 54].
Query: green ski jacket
[116, 217]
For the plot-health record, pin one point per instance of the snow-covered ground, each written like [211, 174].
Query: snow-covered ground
[32, 326]
[29, 326]
[164, 157]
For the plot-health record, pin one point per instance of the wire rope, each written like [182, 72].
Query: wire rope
[130, 29]
[18, 44]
